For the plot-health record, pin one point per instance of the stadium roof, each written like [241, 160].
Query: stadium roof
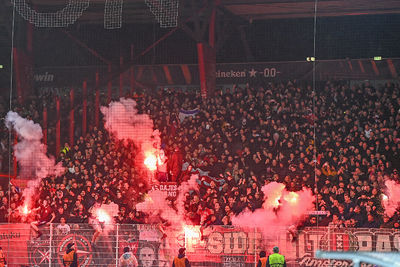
[278, 9]
[136, 11]
[240, 12]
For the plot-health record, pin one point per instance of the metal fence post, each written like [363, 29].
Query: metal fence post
[255, 246]
[329, 243]
[116, 246]
[50, 244]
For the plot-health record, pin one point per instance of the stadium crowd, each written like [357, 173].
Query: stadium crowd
[342, 142]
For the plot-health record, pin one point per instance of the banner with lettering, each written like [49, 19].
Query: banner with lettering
[157, 244]
[232, 246]
[13, 241]
[153, 76]
[170, 187]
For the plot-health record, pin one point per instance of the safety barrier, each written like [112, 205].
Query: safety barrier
[156, 245]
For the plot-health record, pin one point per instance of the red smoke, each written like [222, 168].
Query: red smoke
[122, 120]
[156, 205]
[391, 201]
[280, 209]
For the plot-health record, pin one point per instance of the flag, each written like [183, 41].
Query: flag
[187, 113]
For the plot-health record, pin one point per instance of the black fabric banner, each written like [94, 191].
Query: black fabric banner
[240, 73]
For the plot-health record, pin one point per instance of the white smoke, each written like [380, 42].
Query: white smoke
[184, 188]
[124, 122]
[156, 204]
[31, 153]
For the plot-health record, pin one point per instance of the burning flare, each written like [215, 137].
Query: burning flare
[390, 200]
[191, 232]
[151, 162]
[25, 210]
[292, 198]
[281, 208]
[192, 235]
[103, 216]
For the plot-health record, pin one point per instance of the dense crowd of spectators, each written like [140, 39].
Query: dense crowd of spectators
[341, 141]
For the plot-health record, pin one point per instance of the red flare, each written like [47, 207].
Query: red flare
[151, 162]
[292, 198]
[103, 216]
[191, 232]
[25, 210]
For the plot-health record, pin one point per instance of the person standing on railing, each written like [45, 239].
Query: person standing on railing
[46, 217]
[3, 261]
[181, 260]
[262, 262]
[70, 258]
[276, 259]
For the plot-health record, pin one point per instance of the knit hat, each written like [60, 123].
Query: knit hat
[182, 250]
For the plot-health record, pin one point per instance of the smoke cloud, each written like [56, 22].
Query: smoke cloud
[124, 122]
[390, 200]
[157, 205]
[184, 188]
[281, 208]
[31, 153]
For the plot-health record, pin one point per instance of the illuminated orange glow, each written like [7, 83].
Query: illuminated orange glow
[192, 236]
[191, 232]
[151, 162]
[103, 216]
[273, 200]
[25, 210]
[292, 198]
[147, 198]
[276, 202]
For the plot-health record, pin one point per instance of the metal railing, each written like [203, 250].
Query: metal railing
[227, 246]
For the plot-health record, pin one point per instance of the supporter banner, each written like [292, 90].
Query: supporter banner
[13, 240]
[51, 246]
[241, 246]
[170, 187]
[318, 212]
[187, 113]
[61, 79]
[157, 245]
[258, 73]
[148, 244]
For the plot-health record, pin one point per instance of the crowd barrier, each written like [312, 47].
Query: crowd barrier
[218, 246]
